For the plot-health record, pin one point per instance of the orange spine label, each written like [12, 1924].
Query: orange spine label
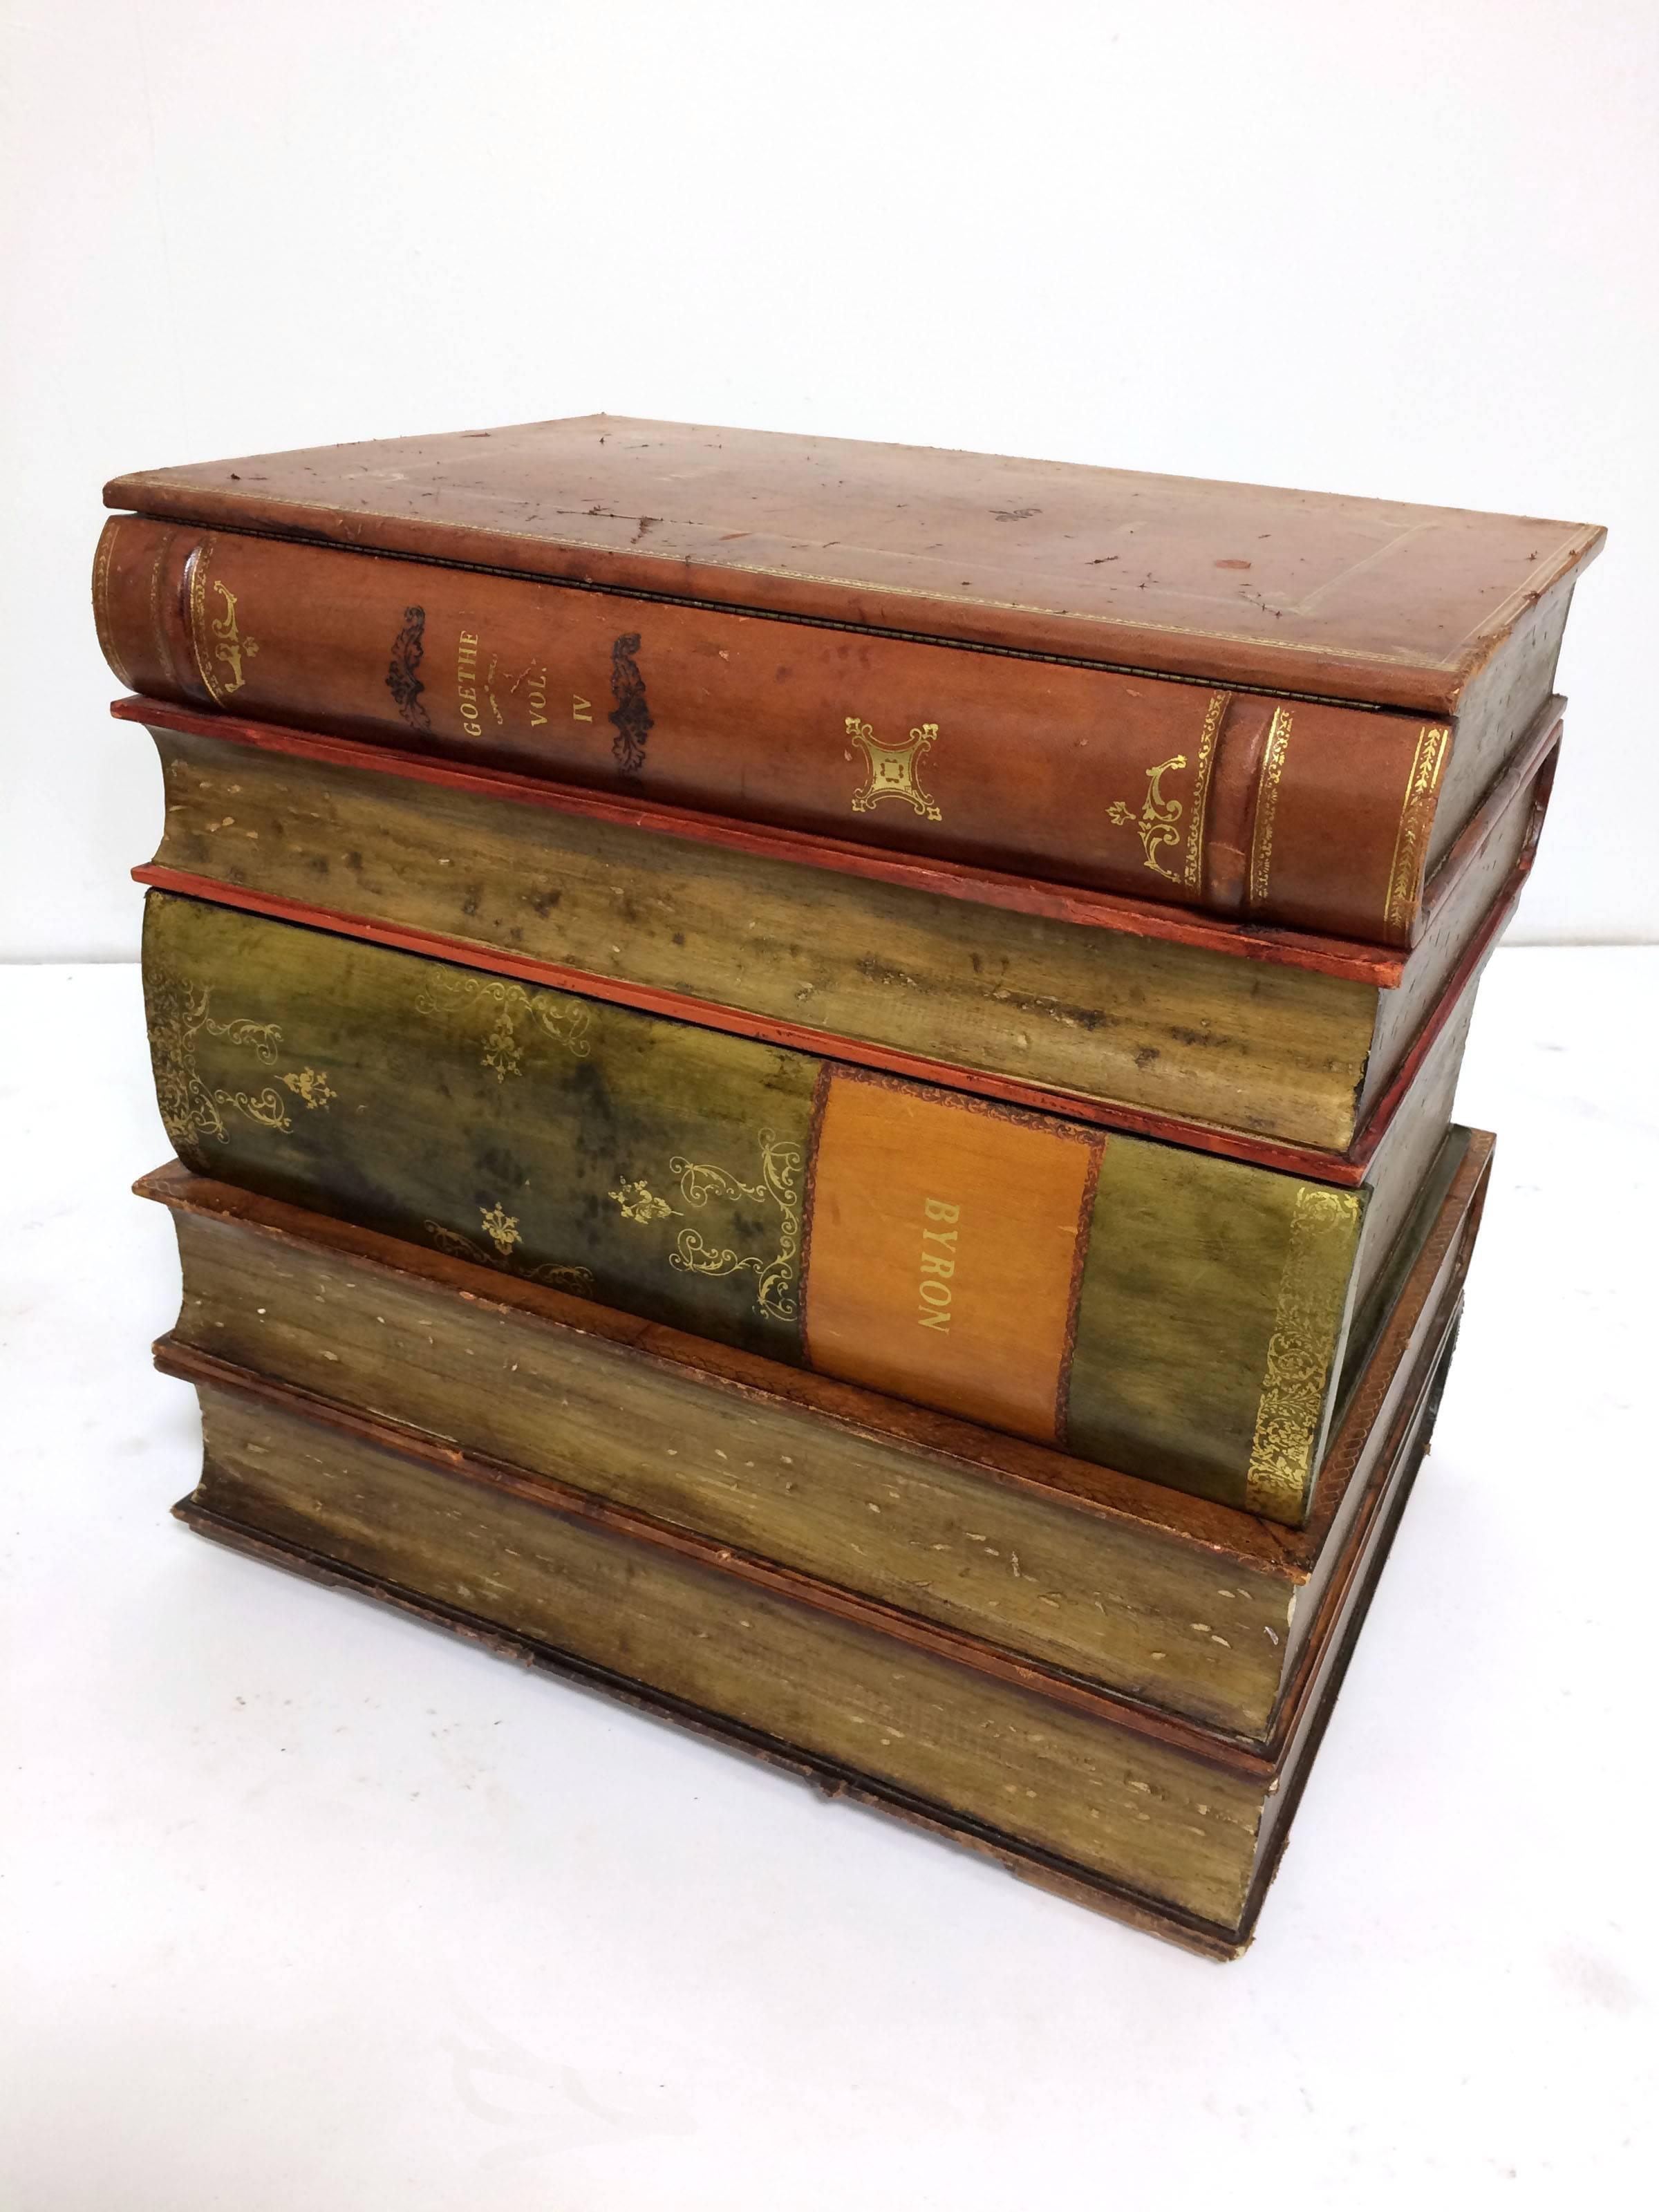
[946, 1246]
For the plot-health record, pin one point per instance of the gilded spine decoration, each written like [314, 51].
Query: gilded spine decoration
[408, 650]
[630, 718]
[1411, 839]
[216, 636]
[502, 1230]
[1313, 1292]
[1158, 821]
[782, 1161]
[892, 768]
[565, 1020]
[177, 1014]
[100, 568]
[1193, 873]
[1266, 804]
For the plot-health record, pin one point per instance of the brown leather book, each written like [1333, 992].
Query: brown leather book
[1277, 706]
[907, 1649]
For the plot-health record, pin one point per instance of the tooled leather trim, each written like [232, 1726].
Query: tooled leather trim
[1267, 807]
[100, 568]
[1193, 873]
[185, 681]
[1412, 837]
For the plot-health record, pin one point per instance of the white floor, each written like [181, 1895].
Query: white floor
[309, 1910]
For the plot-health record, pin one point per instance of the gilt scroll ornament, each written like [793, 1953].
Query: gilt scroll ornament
[1158, 821]
[191, 1108]
[779, 1167]
[505, 1006]
[408, 651]
[230, 649]
[1416, 819]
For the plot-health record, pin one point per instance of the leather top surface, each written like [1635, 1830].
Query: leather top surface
[1344, 597]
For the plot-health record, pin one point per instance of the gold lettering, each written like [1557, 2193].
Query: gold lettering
[466, 669]
[937, 1271]
[934, 1288]
[581, 710]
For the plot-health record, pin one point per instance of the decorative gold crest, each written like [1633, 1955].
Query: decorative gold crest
[892, 768]
[222, 651]
[311, 1085]
[639, 1202]
[1157, 822]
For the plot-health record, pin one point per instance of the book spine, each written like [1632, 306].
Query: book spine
[1177, 1316]
[1171, 1811]
[1290, 812]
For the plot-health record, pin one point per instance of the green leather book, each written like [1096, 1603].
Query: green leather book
[1181, 1317]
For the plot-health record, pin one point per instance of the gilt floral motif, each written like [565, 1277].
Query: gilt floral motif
[639, 1202]
[506, 1008]
[312, 1086]
[1156, 823]
[503, 1232]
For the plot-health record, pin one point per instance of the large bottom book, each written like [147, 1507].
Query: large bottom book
[1117, 1797]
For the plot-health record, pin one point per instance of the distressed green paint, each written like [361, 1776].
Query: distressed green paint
[1178, 1308]
[459, 1118]
[661, 1169]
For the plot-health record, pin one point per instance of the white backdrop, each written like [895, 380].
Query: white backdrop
[309, 1912]
[1407, 249]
